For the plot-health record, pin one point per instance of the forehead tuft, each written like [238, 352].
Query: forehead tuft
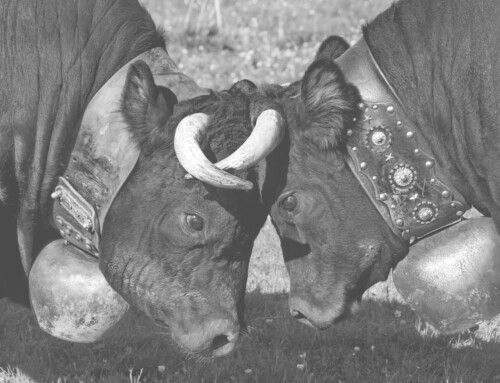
[229, 123]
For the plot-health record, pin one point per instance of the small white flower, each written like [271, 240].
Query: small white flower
[161, 368]
[397, 313]
[356, 349]
[300, 367]
[248, 371]
[303, 355]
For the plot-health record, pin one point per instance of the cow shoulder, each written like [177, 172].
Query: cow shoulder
[330, 104]
[145, 106]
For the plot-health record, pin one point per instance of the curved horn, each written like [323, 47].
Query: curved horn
[188, 135]
[268, 133]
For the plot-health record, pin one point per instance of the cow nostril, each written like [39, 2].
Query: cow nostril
[224, 344]
[219, 341]
[296, 314]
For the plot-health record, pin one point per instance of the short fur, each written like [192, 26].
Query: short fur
[54, 60]
[148, 110]
[442, 59]
[54, 57]
[332, 48]
[330, 104]
[194, 278]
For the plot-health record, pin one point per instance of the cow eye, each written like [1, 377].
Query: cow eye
[289, 203]
[194, 221]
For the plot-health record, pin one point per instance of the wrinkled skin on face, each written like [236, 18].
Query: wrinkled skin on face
[335, 244]
[334, 241]
[176, 248]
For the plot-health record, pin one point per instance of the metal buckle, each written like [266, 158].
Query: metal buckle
[75, 218]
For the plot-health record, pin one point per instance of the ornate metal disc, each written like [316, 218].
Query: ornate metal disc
[402, 177]
[425, 212]
[378, 138]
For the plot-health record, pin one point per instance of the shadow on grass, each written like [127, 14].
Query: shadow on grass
[379, 344]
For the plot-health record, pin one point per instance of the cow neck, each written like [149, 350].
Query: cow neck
[104, 155]
[391, 158]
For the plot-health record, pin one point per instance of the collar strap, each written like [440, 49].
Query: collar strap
[392, 160]
[103, 156]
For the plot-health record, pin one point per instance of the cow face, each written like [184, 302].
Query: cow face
[334, 241]
[176, 248]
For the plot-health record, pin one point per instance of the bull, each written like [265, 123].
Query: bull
[391, 142]
[100, 138]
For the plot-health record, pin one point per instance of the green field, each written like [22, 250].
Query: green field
[263, 41]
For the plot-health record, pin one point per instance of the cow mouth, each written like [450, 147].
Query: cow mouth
[220, 345]
[208, 343]
[301, 318]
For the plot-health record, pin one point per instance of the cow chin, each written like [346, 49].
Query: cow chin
[213, 338]
[197, 326]
[197, 322]
[324, 293]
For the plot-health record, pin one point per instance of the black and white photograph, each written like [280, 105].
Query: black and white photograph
[249, 191]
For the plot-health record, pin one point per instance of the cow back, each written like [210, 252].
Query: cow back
[442, 57]
[54, 57]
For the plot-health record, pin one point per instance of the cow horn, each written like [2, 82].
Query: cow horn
[188, 136]
[268, 133]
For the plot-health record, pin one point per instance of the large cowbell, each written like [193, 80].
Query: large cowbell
[69, 295]
[452, 278]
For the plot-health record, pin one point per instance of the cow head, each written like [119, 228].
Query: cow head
[335, 242]
[175, 247]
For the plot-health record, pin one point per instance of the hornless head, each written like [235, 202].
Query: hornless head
[334, 241]
[175, 247]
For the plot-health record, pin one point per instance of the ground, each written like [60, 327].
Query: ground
[264, 41]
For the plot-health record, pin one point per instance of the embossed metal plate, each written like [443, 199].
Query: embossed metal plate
[401, 174]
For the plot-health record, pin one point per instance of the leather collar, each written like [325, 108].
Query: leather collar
[392, 160]
[103, 156]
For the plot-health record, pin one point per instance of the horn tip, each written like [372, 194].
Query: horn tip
[247, 185]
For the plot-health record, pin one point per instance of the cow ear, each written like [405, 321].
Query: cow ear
[332, 48]
[246, 87]
[145, 106]
[330, 103]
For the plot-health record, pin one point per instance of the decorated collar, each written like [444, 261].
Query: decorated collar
[392, 160]
[103, 156]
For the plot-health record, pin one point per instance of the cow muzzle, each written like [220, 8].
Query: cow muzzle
[316, 314]
[212, 338]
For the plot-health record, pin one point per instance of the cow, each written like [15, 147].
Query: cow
[173, 233]
[390, 141]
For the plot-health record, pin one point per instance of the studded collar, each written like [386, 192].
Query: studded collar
[392, 160]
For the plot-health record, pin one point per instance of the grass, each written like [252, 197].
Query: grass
[381, 344]
[263, 41]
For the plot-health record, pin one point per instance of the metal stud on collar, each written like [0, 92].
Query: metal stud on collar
[402, 177]
[425, 212]
[72, 235]
[378, 138]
